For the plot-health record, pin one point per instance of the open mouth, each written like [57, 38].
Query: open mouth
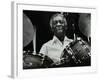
[59, 29]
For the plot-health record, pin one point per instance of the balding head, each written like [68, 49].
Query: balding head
[62, 18]
[58, 24]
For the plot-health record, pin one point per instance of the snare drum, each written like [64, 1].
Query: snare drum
[79, 51]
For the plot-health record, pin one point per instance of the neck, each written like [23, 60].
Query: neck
[61, 38]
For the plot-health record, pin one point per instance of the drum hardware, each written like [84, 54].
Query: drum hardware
[31, 60]
[78, 51]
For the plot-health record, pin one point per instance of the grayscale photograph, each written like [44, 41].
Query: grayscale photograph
[54, 39]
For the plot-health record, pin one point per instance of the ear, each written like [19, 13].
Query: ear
[52, 29]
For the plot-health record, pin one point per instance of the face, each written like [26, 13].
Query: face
[58, 25]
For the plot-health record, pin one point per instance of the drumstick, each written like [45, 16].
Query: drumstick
[74, 32]
[88, 38]
[74, 37]
[62, 13]
[34, 41]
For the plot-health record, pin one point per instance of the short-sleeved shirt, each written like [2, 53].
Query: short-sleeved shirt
[54, 48]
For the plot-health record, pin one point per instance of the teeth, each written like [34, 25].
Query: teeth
[60, 30]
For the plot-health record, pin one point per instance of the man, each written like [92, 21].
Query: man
[54, 48]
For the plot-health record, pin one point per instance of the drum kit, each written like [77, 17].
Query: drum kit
[77, 53]
[31, 61]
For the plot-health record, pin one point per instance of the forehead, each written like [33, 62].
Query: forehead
[58, 17]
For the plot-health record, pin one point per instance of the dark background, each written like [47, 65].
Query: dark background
[41, 20]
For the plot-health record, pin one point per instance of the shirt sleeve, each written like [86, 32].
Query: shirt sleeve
[43, 49]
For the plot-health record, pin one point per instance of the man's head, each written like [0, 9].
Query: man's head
[58, 24]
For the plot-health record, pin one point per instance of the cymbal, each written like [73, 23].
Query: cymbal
[85, 24]
[28, 30]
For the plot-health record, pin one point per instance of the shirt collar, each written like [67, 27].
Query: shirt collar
[55, 39]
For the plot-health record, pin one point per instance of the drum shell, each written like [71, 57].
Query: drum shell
[80, 53]
[32, 61]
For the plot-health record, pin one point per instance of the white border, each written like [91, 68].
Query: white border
[17, 68]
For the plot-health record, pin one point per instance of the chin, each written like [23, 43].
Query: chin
[60, 34]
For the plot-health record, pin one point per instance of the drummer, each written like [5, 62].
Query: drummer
[54, 48]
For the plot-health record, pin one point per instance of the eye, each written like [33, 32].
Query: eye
[61, 22]
[55, 22]
[58, 21]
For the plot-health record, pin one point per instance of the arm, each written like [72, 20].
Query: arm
[43, 50]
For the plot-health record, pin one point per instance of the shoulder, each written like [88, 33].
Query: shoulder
[45, 46]
[48, 43]
[67, 39]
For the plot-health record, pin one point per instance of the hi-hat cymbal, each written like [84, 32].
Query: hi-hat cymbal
[85, 24]
[28, 30]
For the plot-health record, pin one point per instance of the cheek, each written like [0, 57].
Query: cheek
[63, 24]
[54, 30]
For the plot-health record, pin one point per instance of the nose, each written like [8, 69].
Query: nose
[58, 23]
